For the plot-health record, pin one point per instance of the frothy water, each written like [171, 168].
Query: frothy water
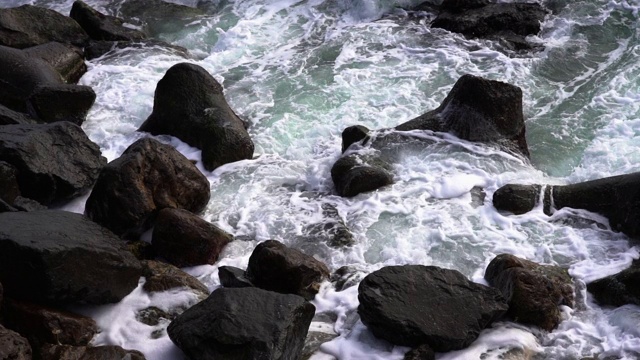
[302, 71]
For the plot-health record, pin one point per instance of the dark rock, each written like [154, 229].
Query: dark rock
[190, 105]
[158, 16]
[142, 250]
[148, 177]
[66, 352]
[13, 346]
[61, 102]
[102, 27]
[331, 230]
[517, 199]
[457, 6]
[27, 25]
[353, 134]
[67, 60]
[533, 291]
[422, 352]
[5, 207]
[351, 175]
[63, 258]
[347, 276]
[313, 342]
[481, 110]
[413, 305]
[163, 277]
[10, 117]
[619, 289]
[26, 204]
[55, 162]
[152, 316]
[243, 323]
[233, 277]
[96, 49]
[275, 267]
[43, 325]
[9, 189]
[184, 239]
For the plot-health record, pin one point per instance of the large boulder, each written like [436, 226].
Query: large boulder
[28, 25]
[413, 305]
[102, 27]
[13, 346]
[533, 291]
[55, 162]
[148, 177]
[276, 267]
[66, 59]
[67, 352]
[63, 258]
[184, 239]
[243, 323]
[619, 289]
[354, 174]
[157, 16]
[61, 102]
[518, 199]
[190, 105]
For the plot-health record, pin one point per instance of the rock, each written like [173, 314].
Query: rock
[275, 267]
[422, 352]
[480, 110]
[332, 230]
[63, 102]
[351, 175]
[353, 134]
[458, 6]
[163, 277]
[10, 117]
[96, 49]
[477, 196]
[26, 204]
[243, 323]
[517, 199]
[619, 289]
[66, 352]
[43, 325]
[152, 316]
[184, 239]
[148, 177]
[27, 25]
[13, 346]
[314, 340]
[533, 291]
[102, 27]
[55, 162]
[9, 189]
[413, 305]
[190, 105]
[347, 276]
[158, 16]
[233, 277]
[45, 255]
[5, 207]
[142, 250]
[67, 60]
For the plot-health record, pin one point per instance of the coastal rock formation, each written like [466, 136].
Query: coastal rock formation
[148, 177]
[533, 291]
[10, 117]
[276, 267]
[619, 289]
[13, 346]
[355, 174]
[184, 239]
[54, 162]
[518, 199]
[233, 277]
[45, 257]
[61, 102]
[413, 305]
[102, 27]
[190, 105]
[67, 60]
[162, 277]
[157, 16]
[243, 323]
[66, 352]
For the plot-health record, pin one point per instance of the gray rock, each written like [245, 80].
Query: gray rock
[13, 346]
[66, 59]
[619, 289]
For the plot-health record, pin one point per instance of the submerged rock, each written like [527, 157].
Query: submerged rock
[619, 289]
[108, 352]
[332, 230]
[162, 277]
[102, 27]
[354, 174]
[13, 346]
[67, 60]
[157, 16]
[243, 323]
[533, 291]
[413, 305]
[352, 135]
[190, 105]
[96, 49]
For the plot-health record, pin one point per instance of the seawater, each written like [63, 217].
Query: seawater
[302, 71]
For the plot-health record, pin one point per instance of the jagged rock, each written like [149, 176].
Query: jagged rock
[61, 102]
[243, 323]
[275, 267]
[158, 16]
[422, 352]
[190, 105]
[233, 277]
[148, 177]
[13, 346]
[27, 25]
[42, 325]
[533, 291]
[55, 162]
[102, 27]
[63, 258]
[353, 174]
[353, 134]
[10, 117]
[96, 49]
[413, 305]
[9, 189]
[347, 276]
[67, 60]
[184, 239]
[314, 340]
[331, 229]
[66, 352]
[619, 289]
[163, 277]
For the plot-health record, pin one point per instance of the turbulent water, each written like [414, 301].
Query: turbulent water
[302, 71]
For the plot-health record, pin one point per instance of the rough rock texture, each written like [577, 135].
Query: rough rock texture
[60, 257]
[13, 346]
[354, 174]
[97, 49]
[158, 16]
[481, 110]
[190, 105]
[233, 277]
[67, 60]
[184, 239]
[275, 267]
[162, 277]
[353, 134]
[422, 352]
[102, 27]
[26, 204]
[42, 325]
[10, 117]
[27, 25]
[533, 291]
[347, 276]
[331, 229]
[61, 102]
[148, 177]
[517, 199]
[65, 352]
[55, 162]
[413, 305]
[243, 323]
[9, 189]
[619, 289]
